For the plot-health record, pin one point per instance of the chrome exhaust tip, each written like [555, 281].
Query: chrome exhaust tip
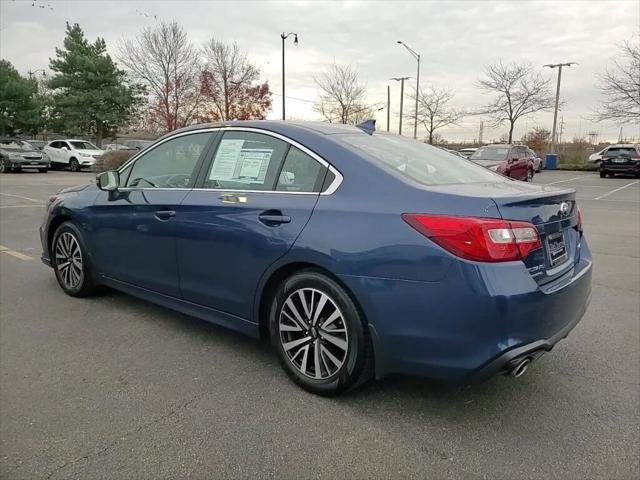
[520, 368]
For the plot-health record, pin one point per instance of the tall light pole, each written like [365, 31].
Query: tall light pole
[295, 42]
[31, 73]
[401, 80]
[416, 55]
[555, 111]
[388, 106]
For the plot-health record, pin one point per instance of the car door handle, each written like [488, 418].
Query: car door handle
[272, 218]
[164, 215]
[233, 198]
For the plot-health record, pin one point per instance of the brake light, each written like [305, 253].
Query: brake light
[478, 239]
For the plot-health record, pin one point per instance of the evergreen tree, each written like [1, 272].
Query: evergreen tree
[20, 105]
[91, 95]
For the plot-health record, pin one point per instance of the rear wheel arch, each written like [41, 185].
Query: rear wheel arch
[280, 275]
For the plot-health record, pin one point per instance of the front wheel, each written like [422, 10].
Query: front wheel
[603, 174]
[74, 166]
[70, 261]
[4, 166]
[318, 333]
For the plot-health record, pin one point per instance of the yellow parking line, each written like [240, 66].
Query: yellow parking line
[13, 253]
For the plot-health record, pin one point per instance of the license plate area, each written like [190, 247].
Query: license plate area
[556, 248]
[619, 160]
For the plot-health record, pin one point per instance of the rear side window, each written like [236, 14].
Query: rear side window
[300, 173]
[246, 161]
[418, 161]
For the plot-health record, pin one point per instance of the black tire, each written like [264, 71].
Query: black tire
[603, 174]
[85, 285]
[43, 170]
[4, 167]
[74, 165]
[334, 378]
[529, 175]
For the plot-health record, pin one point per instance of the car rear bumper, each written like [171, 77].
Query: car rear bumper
[633, 169]
[474, 322]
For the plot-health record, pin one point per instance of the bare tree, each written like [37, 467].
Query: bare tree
[434, 111]
[342, 97]
[621, 88]
[518, 91]
[228, 85]
[164, 60]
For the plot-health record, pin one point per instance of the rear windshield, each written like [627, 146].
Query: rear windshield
[418, 161]
[621, 151]
[15, 144]
[490, 153]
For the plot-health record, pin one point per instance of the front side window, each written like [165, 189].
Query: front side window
[418, 161]
[300, 173]
[246, 161]
[83, 146]
[171, 164]
[490, 153]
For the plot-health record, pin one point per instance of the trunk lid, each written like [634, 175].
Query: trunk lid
[553, 211]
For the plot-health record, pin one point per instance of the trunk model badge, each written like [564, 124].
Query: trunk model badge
[564, 209]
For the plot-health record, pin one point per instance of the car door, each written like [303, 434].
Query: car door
[53, 151]
[256, 196]
[134, 228]
[518, 163]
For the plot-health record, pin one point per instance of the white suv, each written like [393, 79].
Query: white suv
[75, 154]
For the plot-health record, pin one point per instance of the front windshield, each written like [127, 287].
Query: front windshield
[83, 146]
[15, 145]
[490, 153]
[419, 161]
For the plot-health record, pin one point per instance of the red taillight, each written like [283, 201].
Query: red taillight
[479, 239]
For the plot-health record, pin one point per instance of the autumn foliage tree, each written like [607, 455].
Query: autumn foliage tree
[229, 85]
[537, 139]
[168, 64]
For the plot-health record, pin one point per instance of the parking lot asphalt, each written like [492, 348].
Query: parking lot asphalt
[115, 387]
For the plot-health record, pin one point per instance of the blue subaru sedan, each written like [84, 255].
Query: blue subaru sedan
[357, 253]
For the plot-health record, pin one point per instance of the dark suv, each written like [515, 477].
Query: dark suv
[513, 161]
[621, 158]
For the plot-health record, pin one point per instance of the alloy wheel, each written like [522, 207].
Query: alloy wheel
[74, 166]
[313, 333]
[3, 165]
[68, 258]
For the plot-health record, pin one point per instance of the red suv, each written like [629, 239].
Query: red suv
[515, 161]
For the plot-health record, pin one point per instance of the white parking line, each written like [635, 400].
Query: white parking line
[13, 253]
[21, 197]
[616, 190]
[564, 181]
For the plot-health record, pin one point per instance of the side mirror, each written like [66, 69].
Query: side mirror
[108, 181]
[65, 149]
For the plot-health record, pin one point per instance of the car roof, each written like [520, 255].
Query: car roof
[623, 145]
[278, 126]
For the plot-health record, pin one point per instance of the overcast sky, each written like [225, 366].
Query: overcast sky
[455, 38]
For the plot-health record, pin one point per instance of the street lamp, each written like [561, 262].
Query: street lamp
[555, 111]
[401, 80]
[31, 73]
[295, 42]
[416, 55]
